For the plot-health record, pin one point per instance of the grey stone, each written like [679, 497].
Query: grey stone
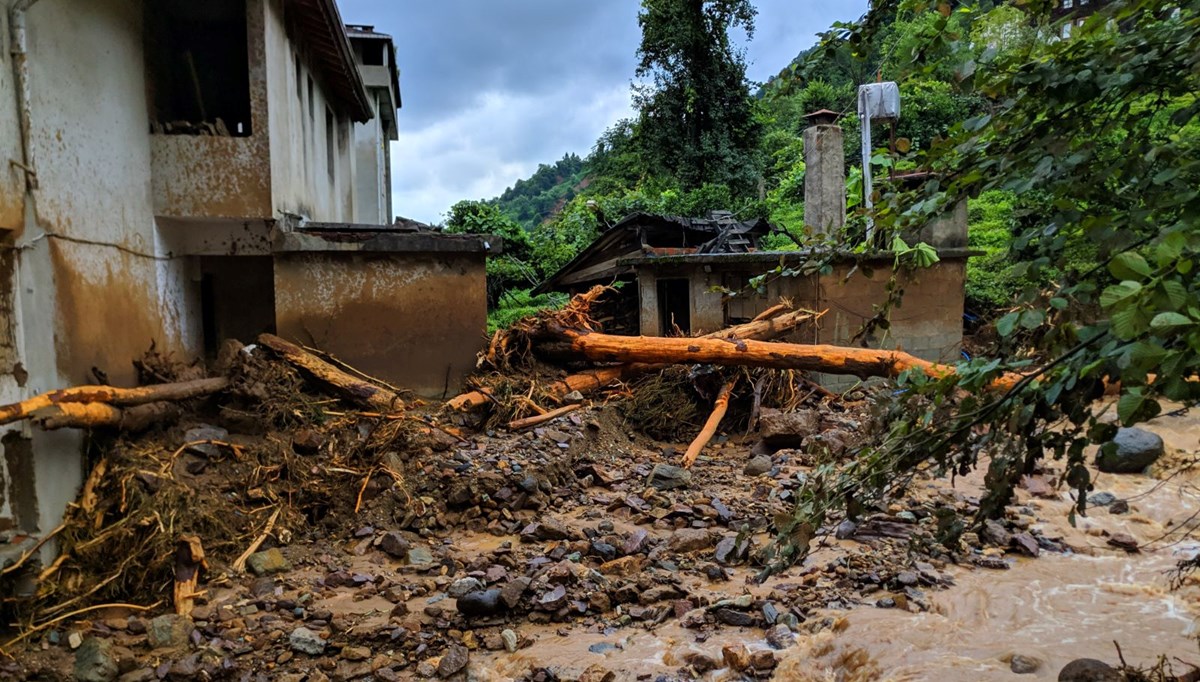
[1101, 499]
[668, 477]
[730, 552]
[268, 562]
[464, 586]
[419, 557]
[169, 631]
[996, 533]
[1089, 670]
[510, 640]
[454, 660]
[573, 398]
[306, 642]
[780, 637]
[1024, 665]
[481, 604]
[735, 618]
[554, 599]
[845, 529]
[1130, 452]
[204, 432]
[512, 592]
[394, 544]
[758, 466]
[95, 661]
[787, 429]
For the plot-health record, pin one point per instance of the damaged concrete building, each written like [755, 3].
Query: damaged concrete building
[183, 172]
[694, 275]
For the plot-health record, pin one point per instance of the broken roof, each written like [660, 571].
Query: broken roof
[646, 234]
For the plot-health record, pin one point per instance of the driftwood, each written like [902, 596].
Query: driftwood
[771, 323]
[189, 560]
[99, 415]
[720, 406]
[350, 387]
[527, 422]
[110, 395]
[861, 362]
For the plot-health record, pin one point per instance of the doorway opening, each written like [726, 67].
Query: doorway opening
[674, 307]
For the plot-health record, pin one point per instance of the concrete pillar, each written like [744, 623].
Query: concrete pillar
[824, 180]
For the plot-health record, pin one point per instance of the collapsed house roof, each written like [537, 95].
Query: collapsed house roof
[646, 234]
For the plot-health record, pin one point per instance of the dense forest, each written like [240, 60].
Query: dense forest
[750, 158]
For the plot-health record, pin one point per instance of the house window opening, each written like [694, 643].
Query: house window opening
[674, 307]
[197, 64]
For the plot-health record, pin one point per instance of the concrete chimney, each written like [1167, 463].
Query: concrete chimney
[824, 176]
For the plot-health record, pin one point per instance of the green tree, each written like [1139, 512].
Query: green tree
[512, 269]
[696, 122]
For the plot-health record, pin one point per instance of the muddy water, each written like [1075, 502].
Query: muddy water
[1055, 608]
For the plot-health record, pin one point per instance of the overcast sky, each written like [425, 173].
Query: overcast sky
[492, 88]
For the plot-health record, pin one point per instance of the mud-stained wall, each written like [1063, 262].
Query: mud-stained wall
[300, 141]
[12, 180]
[415, 320]
[198, 176]
[113, 288]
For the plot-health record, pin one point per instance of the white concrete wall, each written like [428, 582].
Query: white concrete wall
[300, 180]
[94, 288]
[370, 160]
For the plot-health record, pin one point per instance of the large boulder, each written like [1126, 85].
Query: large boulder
[788, 429]
[1089, 670]
[1130, 452]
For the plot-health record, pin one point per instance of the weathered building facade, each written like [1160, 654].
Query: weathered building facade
[154, 154]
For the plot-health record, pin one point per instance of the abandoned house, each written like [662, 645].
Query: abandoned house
[183, 172]
[679, 275]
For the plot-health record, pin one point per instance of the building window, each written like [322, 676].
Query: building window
[330, 156]
[197, 67]
[1068, 4]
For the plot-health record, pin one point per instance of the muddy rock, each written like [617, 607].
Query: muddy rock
[308, 441]
[1101, 499]
[734, 618]
[510, 640]
[780, 637]
[730, 552]
[268, 562]
[306, 642]
[787, 429]
[669, 477]
[419, 557]
[454, 660]
[1024, 665]
[95, 661]
[553, 600]
[464, 586]
[356, 653]
[481, 604]
[736, 657]
[512, 591]
[758, 466]
[169, 631]
[1130, 452]
[1089, 670]
[1123, 541]
[394, 544]
[690, 540]
[597, 673]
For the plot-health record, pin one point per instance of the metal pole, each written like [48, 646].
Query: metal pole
[866, 172]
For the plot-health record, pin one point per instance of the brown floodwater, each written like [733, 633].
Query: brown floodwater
[1055, 608]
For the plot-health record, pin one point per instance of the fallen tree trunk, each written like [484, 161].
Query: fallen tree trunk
[771, 324]
[100, 415]
[720, 406]
[111, 395]
[861, 362]
[350, 387]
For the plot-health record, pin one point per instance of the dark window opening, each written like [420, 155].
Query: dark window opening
[330, 156]
[237, 299]
[674, 307]
[197, 66]
[372, 53]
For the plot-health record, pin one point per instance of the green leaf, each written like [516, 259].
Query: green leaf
[1006, 324]
[1175, 291]
[1129, 265]
[1170, 320]
[1116, 293]
[1128, 406]
[1128, 323]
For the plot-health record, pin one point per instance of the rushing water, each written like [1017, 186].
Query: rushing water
[1055, 608]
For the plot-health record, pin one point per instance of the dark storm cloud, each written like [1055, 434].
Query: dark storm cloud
[493, 87]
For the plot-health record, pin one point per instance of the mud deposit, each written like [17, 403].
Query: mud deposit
[576, 551]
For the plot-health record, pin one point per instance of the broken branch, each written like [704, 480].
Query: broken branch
[720, 406]
[350, 387]
[111, 395]
[527, 422]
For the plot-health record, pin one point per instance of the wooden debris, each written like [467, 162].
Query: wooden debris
[100, 415]
[342, 383]
[720, 406]
[861, 362]
[110, 395]
[519, 424]
[239, 564]
[189, 560]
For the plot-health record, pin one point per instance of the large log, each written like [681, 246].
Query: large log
[861, 362]
[132, 419]
[111, 395]
[771, 324]
[350, 387]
